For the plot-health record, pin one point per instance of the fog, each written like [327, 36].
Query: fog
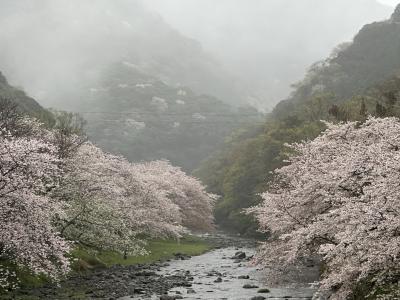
[389, 2]
[240, 51]
[269, 44]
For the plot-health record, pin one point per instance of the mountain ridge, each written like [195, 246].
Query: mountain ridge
[356, 80]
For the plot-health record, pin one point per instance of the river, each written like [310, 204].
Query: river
[217, 276]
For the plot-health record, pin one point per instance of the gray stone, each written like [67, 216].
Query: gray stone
[250, 286]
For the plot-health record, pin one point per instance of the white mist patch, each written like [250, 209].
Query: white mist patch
[181, 93]
[143, 85]
[160, 103]
[198, 116]
[95, 90]
[130, 65]
[132, 123]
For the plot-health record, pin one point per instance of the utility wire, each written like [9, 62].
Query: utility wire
[161, 117]
[169, 114]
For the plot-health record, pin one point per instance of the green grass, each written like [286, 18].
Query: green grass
[158, 250]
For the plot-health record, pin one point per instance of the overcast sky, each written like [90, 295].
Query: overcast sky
[390, 2]
[265, 45]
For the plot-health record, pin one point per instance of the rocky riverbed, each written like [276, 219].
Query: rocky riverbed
[223, 273]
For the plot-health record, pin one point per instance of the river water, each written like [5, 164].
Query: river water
[215, 276]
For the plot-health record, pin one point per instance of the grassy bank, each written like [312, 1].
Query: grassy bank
[158, 250]
[86, 259]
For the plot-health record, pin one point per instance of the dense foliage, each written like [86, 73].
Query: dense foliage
[240, 172]
[57, 190]
[332, 91]
[338, 198]
[25, 103]
[337, 195]
[29, 171]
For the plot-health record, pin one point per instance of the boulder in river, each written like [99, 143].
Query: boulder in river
[139, 291]
[167, 297]
[239, 255]
[258, 298]
[250, 286]
[181, 256]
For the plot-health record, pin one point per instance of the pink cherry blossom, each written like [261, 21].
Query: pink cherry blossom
[195, 204]
[56, 191]
[28, 170]
[338, 197]
[113, 204]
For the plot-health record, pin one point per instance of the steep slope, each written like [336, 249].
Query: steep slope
[359, 79]
[372, 57]
[143, 118]
[25, 103]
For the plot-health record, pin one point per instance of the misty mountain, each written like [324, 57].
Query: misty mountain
[358, 79]
[371, 58]
[55, 47]
[145, 84]
[269, 44]
[143, 118]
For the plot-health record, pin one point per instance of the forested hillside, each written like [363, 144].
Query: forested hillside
[25, 103]
[143, 118]
[358, 79]
[352, 67]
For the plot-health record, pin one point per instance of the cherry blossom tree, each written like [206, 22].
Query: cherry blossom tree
[28, 171]
[338, 197]
[56, 190]
[67, 133]
[12, 121]
[109, 205]
[196, 205]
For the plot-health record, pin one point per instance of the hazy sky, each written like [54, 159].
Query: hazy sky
[390, 2]
[50, 47]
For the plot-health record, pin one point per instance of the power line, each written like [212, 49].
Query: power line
[205, 122]
[170, 114]
[161, 117]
